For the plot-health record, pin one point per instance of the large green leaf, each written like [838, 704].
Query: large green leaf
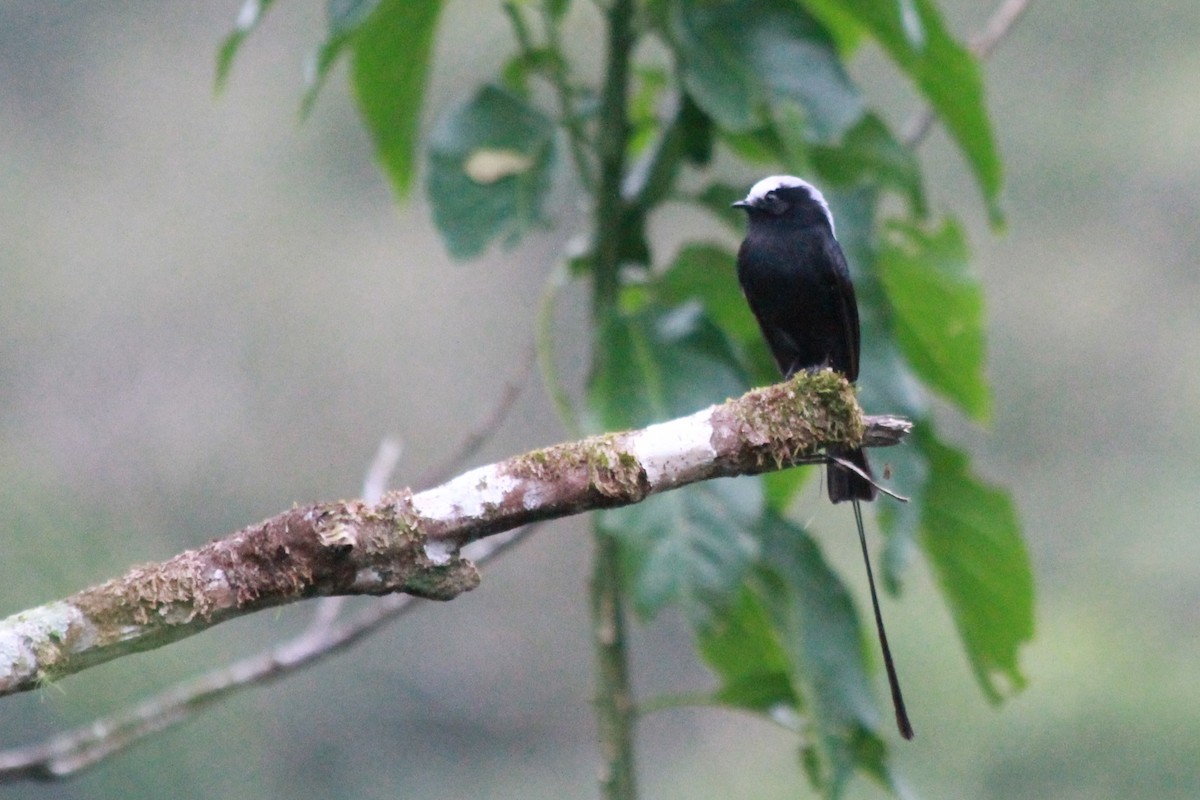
[937, 309]
[868, 153]
[915, 36]
[892, 389]
[742, 59]
[706, 272]
[971, 535]
[886, 383]
[685, 137]
[813, 615]
[489, 169]
[887, 386]
[753, 647]
[743, 648]
[692, 545]
[391, 44]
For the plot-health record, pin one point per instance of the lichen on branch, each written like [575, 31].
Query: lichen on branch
[409, 542]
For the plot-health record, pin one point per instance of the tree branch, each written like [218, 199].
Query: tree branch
[71, 752]
[410, 542]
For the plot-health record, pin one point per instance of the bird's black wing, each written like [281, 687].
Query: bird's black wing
[846, 303]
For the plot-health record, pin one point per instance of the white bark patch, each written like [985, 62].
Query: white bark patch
[440, 551]
[670, 451]
[469, 495]
[53, 622]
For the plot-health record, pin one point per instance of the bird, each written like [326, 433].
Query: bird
[795, 278]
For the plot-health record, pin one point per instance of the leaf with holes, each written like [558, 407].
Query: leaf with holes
[489, 171]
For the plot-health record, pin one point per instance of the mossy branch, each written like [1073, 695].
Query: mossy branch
[409, 542]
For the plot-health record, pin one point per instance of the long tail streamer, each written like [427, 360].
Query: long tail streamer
[897, 696]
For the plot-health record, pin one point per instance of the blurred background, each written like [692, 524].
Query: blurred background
[209, 311]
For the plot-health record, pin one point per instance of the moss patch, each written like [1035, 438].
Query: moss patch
[611, 470]
[794, 419]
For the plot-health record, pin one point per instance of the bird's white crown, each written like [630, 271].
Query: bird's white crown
[769, 184]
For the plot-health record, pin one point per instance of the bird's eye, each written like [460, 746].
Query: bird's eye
[774, 203]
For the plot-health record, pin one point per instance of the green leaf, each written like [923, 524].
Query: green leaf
[868, 153]
[761, 147]
[768, 693]
[842, 25]
[887, 385]
[697, 133]
[814, 618]
[913, 34]
[489, 169]
[714, 72]
[249, 18]
[644, 107]
[706, 272]
[938, 312]
[757, 673]
[693, 545]
[633, 244]
[740, 58]
[971, 534]
[391, 43]
[743, 649]
[686, 138]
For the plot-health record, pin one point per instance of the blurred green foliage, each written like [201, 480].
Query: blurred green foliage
[209, 312]
[765, 81]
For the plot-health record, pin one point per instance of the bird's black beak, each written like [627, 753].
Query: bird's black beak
[741, 204]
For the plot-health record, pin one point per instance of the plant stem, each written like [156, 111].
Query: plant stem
[614, 699]
[611, 141]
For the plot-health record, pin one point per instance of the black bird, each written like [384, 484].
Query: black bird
[794, 275]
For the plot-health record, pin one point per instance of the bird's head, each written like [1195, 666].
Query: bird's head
[782, 196]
